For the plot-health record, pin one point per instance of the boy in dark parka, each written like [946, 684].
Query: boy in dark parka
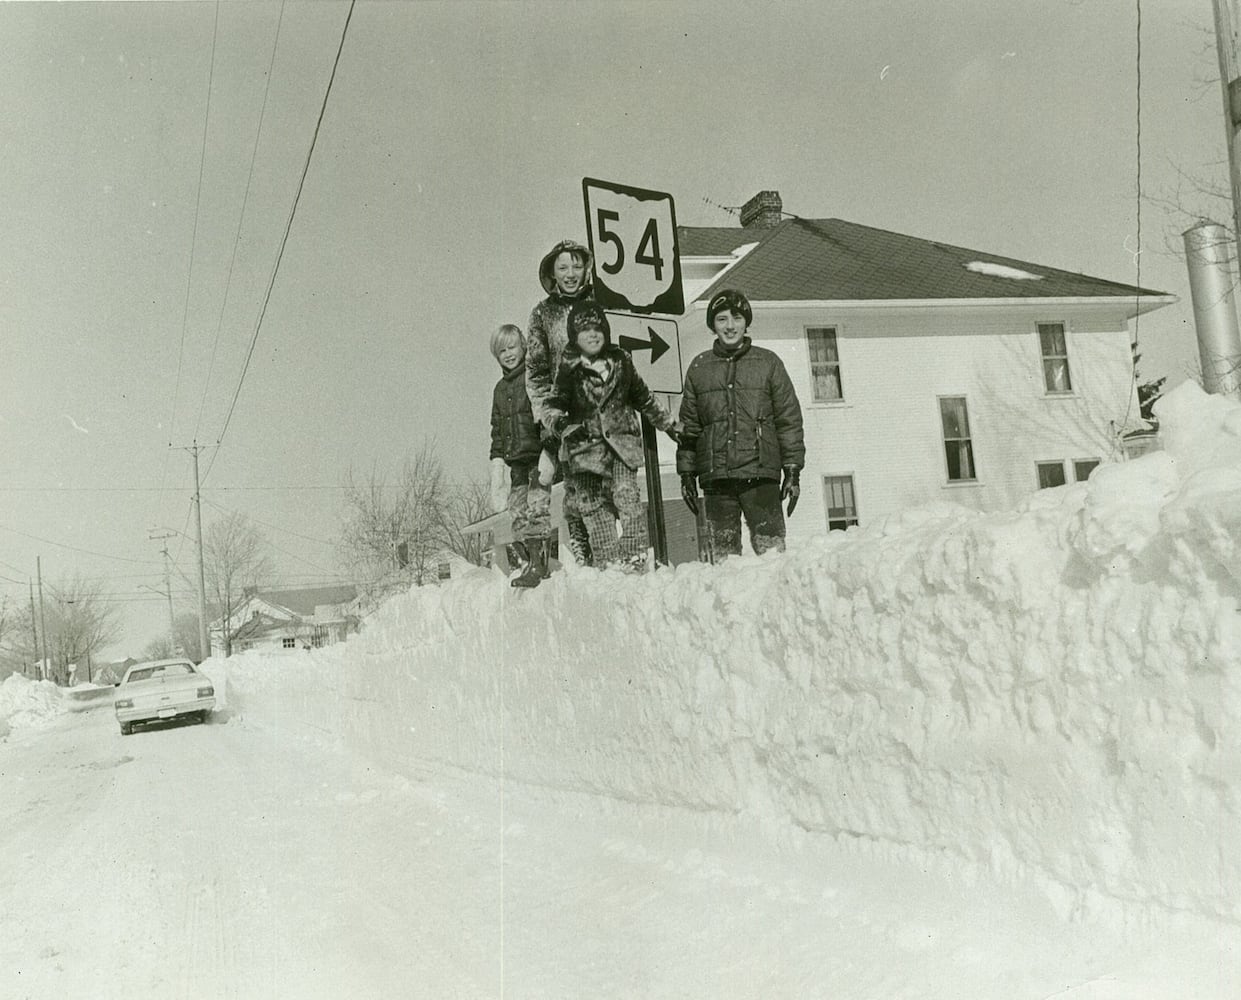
[741, 430]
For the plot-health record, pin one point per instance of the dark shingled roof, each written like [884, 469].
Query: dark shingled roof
[833, 260]
[303, 602]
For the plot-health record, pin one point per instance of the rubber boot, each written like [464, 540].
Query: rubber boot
[518, 556]
[548, 544]
[536, 570]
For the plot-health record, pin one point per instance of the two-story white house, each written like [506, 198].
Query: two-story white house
[926, 372]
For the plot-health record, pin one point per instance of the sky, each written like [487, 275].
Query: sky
[152, 154]
[950, 755]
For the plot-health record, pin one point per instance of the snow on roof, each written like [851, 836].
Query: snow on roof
[1001, 271]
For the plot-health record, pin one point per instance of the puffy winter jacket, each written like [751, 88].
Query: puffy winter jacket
[546, 336]
[603, 414]
[514, 434]
[740, 416]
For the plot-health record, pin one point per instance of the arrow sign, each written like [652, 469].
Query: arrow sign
[656, 346]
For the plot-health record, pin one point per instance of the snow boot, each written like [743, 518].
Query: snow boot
[535, 570]
[518, 557]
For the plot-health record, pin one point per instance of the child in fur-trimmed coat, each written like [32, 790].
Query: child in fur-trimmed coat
[594, 407]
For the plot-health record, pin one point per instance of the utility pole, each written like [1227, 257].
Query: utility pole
[204, 641]
[38, 566]
[172, 627]
[1228, 46]
[34, 636]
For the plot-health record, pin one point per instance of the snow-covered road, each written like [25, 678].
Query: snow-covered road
[239, 860]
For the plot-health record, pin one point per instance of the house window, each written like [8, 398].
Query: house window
[1050, 474]
[841, 507]
[1055, 354]
[958, 446]
[824, 364]
[1083, 467]
[444, 570]
[288, 642]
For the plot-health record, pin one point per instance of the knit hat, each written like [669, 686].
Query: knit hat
[731, 300]
[548, 280]
[588, 315]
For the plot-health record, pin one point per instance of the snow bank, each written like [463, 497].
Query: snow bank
[28, 704]
[1050, 691]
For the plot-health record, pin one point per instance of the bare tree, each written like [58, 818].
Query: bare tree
[183, 641]
[16, 640]
[397, 526]
[470, 501]
[235, 559]
[80, 623]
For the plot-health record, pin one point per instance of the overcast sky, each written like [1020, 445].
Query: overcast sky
[150, 154]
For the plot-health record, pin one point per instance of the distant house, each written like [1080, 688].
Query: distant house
[287, 619]
[926, 372]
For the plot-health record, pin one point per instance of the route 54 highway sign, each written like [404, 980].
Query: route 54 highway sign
[633, 239]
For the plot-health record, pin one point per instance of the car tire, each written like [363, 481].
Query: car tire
[126, 728]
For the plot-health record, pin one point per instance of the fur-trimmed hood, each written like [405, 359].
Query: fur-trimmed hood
[546, 278]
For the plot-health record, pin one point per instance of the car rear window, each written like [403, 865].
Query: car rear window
[164, 669]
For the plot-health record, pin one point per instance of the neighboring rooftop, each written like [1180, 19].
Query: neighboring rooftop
[799, 260]
[304, 601]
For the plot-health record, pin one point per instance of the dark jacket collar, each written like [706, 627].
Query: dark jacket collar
[509, 375]
[718, 350]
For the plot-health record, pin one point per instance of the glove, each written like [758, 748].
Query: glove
[674, 432]
[547, 468]
[499, 484]
[790, 490]
[549, 439]
[689, 491]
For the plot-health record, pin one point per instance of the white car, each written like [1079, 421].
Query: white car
[162, 689]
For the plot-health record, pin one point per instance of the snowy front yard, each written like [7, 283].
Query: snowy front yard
[250, 861]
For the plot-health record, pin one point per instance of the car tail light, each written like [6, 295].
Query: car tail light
[206, 692]
[124, 703]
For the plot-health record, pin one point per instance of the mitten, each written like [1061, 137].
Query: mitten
[790, 490]
[547, 468]
[689, 491]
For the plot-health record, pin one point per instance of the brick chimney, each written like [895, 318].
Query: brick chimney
[762, 211]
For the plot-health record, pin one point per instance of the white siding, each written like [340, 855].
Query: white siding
[895, 364]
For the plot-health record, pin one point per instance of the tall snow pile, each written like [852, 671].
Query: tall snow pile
[1051, 692]
[28, 704]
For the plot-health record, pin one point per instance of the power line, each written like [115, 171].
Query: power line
[292, 555]
[189, 277]
[198, 199]
[245, 200]
[285, 238]
[74, 548]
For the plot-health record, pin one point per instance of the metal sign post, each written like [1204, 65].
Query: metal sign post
[632, 233]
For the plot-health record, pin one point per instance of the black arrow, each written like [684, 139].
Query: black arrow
[657, 346]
